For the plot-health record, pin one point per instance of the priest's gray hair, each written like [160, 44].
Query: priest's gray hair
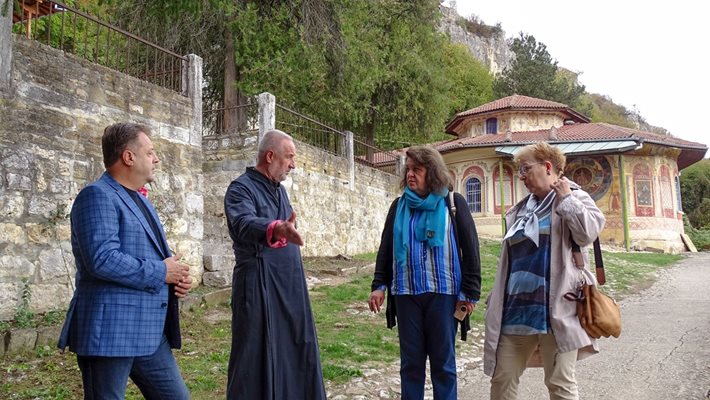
[271, 141]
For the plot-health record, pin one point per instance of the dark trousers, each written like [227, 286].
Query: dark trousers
[157, 376]
[427, 327]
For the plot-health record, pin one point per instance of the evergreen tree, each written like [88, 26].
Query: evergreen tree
[534, 73]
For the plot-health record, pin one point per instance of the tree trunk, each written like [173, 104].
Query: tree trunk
[234, 117]
[369, 128]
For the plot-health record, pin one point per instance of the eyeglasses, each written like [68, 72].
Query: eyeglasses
[524, 169]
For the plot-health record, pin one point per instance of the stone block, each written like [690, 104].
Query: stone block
[16, 267]
[190, 303]
[51, 296]
[55, 265]
[196, 229]
[18, 182]
[39, 233]
[215, 263]
[10, 294]
[20, 339]
[16, 161]
[221, 296]
[194, 203]
[42, 206]
[48, 335]
[57, 185]
[12, 206]
[217, 279]
[11, 233]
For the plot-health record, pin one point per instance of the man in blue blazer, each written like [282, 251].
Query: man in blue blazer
[123, 318]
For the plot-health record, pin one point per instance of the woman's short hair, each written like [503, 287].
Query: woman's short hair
[437, 175]
[541, 152]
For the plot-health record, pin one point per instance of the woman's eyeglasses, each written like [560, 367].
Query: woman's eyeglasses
[524, 169]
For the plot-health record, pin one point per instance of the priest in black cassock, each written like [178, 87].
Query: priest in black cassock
[274, 344]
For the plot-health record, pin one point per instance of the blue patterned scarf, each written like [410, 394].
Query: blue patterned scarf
[430, 228]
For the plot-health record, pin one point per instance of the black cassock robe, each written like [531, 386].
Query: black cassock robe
[274, 344]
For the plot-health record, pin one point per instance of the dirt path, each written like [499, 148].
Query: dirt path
[663, 352]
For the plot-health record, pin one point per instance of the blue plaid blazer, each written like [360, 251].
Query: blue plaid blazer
[121, 303]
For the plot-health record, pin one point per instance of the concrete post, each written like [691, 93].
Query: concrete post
[350, 155]
[192, 88]
[5, 47]
[401, 164]
[267, 113]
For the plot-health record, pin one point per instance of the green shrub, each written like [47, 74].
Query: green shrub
[700, 237]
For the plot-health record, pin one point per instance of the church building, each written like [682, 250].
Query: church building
[633, 175]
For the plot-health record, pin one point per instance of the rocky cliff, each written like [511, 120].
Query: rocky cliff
[491, 49]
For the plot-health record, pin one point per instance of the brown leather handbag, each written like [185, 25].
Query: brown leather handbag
[598, 313]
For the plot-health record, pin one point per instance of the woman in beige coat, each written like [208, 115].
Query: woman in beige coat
[528, 320]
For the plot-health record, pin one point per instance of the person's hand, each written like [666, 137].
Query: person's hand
[287, 229]
[469, 306]
[377, 298]
[176, 271]
[561, 187]
[182, 287]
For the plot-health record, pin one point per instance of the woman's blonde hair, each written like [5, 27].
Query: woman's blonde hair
[437, 175]
[541, 152]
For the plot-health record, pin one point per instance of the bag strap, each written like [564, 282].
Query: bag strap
[598, 262]
[452, 204]
[452, 215]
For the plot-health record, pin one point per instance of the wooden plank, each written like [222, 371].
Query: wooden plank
[688, 243]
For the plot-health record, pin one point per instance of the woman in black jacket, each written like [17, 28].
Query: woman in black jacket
[429, 265]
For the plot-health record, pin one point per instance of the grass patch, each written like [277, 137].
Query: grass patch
[350, 337]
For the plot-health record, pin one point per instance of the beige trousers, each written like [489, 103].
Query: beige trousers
[512, 358]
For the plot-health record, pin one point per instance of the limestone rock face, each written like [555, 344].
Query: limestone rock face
[492, 51]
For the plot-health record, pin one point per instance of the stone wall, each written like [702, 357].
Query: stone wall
[53, 112]
[333, 216]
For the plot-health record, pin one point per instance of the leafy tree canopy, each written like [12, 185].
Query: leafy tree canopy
[695, 189]
[378, 68]
[534, 73]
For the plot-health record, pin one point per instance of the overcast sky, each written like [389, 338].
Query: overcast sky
[651, 55]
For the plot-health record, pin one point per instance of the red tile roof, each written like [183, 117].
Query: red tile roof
[691, 152]
[515, 102]
[570, 133]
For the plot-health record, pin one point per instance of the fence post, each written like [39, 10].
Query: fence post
[267, 113]
[5, 46]
[401, 161]
[192, 88]
[350, 155]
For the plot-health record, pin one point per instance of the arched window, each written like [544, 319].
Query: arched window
[666, 193]
[492, 125]
[473, 195]
[677, 193]
[643, 190]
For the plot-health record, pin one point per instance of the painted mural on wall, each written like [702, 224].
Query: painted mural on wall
[593, 174]
[643, 188]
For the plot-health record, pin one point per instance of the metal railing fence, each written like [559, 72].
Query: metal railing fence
[225, 120]
[367, 154]
[76, 32]
[308, 130]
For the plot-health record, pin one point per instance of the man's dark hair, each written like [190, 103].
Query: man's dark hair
[117, 137]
